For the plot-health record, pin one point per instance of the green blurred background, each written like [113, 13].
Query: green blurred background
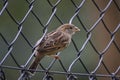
[32, 30]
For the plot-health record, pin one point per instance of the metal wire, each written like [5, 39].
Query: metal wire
[80, 51]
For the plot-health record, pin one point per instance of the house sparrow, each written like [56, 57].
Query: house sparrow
[52, 43]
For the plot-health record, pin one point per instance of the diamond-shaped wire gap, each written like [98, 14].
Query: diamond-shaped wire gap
[63, 16]
[88, 14]
[32, 30]
[18, 9]
[21, 51]
[42, 10]
[34, 13]
[23, 19]
[88, 55]
[53, 6]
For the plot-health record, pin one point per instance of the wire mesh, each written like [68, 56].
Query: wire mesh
[93, 54]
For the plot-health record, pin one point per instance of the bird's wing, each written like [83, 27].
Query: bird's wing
[54, 41]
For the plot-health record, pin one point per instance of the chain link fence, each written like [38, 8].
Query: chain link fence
[94, 53]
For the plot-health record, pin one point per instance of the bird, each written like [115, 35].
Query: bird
[53, 42]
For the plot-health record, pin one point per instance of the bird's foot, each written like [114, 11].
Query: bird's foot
[56, 57]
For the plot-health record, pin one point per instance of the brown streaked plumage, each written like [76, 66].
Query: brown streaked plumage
[53, 42]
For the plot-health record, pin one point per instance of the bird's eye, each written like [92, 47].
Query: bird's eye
[70, 27]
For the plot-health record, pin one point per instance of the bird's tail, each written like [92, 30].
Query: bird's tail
[35, 63]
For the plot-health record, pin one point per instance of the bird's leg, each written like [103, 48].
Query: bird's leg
[55, 56]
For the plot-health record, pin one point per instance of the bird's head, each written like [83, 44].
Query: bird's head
[69, 28]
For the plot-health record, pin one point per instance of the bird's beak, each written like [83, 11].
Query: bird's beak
[76, 29]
